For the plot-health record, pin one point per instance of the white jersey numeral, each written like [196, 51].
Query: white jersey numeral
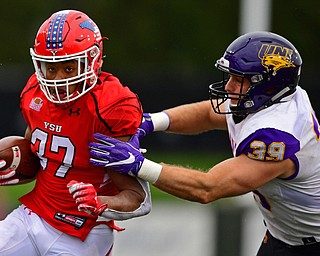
[58, 144]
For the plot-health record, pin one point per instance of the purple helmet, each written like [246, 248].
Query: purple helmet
[270, 62]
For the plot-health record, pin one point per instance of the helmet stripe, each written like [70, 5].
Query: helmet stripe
[54, 37]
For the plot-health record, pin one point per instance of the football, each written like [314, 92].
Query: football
[16, 151]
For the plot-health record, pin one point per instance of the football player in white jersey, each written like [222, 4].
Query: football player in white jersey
[274, 135]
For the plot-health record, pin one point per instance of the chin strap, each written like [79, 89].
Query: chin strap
[279, 95]
[276, 98]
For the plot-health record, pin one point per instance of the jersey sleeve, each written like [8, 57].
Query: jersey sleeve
[125, 117]
[269, 144]
[119, 108]
[32, 83]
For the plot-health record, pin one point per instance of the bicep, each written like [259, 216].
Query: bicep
[123, 118]
[240, 175]
[200, 114]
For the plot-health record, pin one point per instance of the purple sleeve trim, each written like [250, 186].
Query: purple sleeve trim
[268, 136]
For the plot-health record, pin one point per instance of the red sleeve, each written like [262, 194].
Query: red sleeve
[119, 107]
[125, 117]
[32, 83]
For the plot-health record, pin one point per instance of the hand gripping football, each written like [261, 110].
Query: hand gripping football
[16, 151]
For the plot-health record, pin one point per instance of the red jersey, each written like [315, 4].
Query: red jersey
[60, 137]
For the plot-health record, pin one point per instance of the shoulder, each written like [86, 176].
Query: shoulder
[32, 92]
[32, 83]
[271, 134]
[116, 105]
[109, 91]
[269, 144]
[289, 116]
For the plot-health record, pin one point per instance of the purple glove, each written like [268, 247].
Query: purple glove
[146, 126]
[123, 157]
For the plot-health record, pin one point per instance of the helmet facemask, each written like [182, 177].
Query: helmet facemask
[67, 36]
[85, 79]
[219, 95]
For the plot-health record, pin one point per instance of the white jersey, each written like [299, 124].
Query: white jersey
[291, 206]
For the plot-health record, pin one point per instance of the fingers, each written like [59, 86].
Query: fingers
[99, 145]
[6, 174]
[105, 139]
[71, 183]
[86, 208]
[99, 154]
[83, 199]
[78, 188]
[85, 196]
[141, 133]
[9, 182]
[2, 163]
[98, 162]
[134, 142]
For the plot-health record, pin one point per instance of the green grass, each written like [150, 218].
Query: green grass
[19, 190]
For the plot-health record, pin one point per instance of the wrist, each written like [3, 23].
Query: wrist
[150, 171]
[102, 205]
[160, 121]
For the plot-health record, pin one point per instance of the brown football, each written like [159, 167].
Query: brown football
[16, 151]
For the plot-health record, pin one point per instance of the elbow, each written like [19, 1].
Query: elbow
[205, 197]
[206, 193]
[147, 208]
[138, 201]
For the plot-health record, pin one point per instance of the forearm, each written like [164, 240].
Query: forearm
[185, 183]
[222, 180]
[125, 213]
[125, 201]
[130, 202]
[194, 118]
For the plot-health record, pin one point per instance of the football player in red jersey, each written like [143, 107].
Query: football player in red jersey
[72, 208]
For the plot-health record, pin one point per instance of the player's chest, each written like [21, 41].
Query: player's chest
[64, 121]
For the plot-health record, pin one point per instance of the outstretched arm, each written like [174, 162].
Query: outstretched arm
[195, 118]
[232, 177]
[190, 118]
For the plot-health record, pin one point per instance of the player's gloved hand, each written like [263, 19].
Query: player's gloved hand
[124, 157]
[86, 197]
[146, 127]
[153, 122]
[6, 176]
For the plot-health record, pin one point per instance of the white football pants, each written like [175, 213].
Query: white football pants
[24, 233]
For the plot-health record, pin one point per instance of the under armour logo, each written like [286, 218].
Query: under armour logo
[76, 112]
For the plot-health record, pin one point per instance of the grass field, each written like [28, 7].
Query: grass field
[201, 161]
